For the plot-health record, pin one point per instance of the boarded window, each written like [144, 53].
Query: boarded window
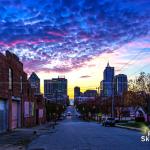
[40, 113]
[26, 109]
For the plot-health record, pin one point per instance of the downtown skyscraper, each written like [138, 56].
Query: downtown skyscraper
[107, 83]
[111, 84]
[56, 89]
[120, 84]
[35, 82]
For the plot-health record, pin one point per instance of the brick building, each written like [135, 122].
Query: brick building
[40, 109]
[17, 101]
[12, 78]
[4, 100]
[29, 106]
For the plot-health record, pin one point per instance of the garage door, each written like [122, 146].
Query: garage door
[15, 114]
[3, 116]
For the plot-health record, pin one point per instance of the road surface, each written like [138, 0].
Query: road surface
[74, 134]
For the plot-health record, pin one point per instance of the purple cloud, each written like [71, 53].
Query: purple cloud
[62, 35]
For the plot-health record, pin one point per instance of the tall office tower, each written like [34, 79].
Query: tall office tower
[108, 81]
[76, 92]
[35, 82]
[121, 84]
[55, 89]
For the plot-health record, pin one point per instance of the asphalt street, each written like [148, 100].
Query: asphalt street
[75, 134]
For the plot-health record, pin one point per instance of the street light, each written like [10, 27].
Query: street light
[98, 90]
[83, 108]
[113, 91]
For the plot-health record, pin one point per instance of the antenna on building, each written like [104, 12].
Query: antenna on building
[108, 64]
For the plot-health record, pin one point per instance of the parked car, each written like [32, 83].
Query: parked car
[108, 121]
[78, 115]
[69, 113]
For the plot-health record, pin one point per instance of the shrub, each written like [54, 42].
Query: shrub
[140, 119]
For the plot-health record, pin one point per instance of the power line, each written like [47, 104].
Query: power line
[127, 64]
[139, 70]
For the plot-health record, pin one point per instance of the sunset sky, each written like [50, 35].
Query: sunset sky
[77, 38]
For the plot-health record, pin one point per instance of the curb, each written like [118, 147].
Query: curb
[128, 128]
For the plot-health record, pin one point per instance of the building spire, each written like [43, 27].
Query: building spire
[108, 64]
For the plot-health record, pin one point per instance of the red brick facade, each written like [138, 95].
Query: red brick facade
[40, 109]
[29, 99]
[19, 97]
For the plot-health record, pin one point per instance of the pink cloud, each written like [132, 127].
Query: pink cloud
[144, 61]
[84, 36]
[16, 42]
[138, 44]
[33, 65]
[3, 44]
[56, 33]
[49, 40]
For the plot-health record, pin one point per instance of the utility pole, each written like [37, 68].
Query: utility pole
[56, 95]
[113, 99]
[98, 90]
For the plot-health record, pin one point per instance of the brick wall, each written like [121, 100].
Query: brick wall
[27, 94]
[3, 77]
[40, 106]
[29, 98]
[12, 61]
[17, 69]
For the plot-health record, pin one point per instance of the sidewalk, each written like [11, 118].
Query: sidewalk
[19, 138]
[129, 128]
[140, 128]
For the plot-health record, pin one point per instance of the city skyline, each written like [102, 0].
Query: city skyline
[77, 38]
[74, 74]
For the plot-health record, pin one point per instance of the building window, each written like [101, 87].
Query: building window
[21, 84]
[10, 79]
